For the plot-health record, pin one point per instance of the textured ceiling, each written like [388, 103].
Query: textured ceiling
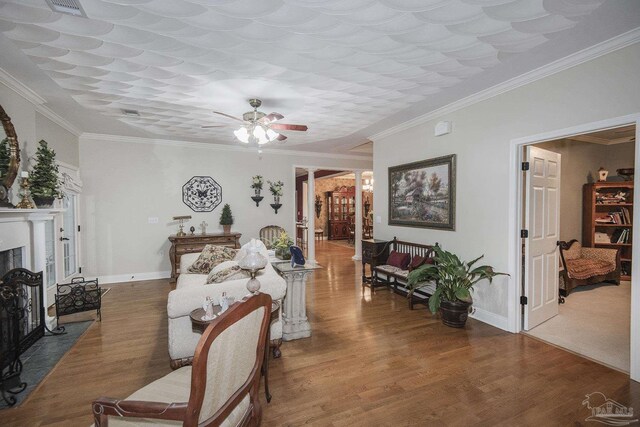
[338, 66]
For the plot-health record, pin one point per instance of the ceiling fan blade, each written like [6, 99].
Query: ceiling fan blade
[285, 126]
[227, 115]
[272, 117]
[281, 137]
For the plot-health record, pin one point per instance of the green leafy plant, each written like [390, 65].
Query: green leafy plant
[4, 158]
[256, 182]
[455, 279]
[276, 187]
[225, 217]
[44, 177]
[283, 242]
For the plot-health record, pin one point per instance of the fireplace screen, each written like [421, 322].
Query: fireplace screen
[21, 325]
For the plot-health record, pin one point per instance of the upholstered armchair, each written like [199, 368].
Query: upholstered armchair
[220, 388]
[270, 234]
[587, 266]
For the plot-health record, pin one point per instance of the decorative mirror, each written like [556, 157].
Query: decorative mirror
[9, 158]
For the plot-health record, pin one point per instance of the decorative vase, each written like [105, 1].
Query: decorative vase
[43, 202]
[276, 200]
[283, 253]
[454, 313]
[257, 191]
[226, 228]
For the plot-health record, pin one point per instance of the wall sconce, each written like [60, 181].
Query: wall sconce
[318, 206]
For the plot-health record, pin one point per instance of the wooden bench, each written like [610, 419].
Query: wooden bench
[396, 279]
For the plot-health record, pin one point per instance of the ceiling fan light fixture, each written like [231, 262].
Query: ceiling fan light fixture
[272, 135]
[242, 134]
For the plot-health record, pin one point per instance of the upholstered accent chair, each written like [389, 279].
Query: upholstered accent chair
[270, 234]
[587, 266]
[220, 388]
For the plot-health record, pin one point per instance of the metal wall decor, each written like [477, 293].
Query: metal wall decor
[202, 194]
[423, 194]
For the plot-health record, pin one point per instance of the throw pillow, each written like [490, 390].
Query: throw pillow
[226, 271]
[399, 259]
[416, 262]
[210, 257]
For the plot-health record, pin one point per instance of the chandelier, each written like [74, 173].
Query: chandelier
[256, 132]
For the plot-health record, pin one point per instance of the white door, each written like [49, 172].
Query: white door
[542, 220]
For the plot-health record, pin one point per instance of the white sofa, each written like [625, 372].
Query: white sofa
[191, 290]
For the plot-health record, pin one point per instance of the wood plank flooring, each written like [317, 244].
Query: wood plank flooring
[371, 361]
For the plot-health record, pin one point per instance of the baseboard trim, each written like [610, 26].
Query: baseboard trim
[133, 277]
[492, 319]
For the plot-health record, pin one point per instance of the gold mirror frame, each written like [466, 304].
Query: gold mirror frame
[14, 149]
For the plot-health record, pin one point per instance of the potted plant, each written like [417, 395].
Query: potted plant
[282, 246]
[256, 184]
[44, 177]
[455, 280]
[276, 190]
[226, 219]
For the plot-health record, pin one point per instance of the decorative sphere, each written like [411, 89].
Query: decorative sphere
[253, 285]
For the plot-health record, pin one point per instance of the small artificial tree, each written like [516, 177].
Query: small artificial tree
[44, 177]
[4, 158]
[225, 217]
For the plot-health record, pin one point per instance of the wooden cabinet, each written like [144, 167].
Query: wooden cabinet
[341, 205]
[195, 243]
[607, 219]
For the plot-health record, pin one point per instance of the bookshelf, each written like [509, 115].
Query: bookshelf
[607, 219]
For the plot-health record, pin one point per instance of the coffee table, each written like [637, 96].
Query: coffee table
[198, 325]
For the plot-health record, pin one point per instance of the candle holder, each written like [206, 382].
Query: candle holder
[276, 206]
[25, 193]
[182, 220]
[257, 199]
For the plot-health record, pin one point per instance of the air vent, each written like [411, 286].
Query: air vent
[70, 7]
[130, 113]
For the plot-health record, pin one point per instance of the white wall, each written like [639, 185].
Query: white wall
[580, 164]
[602, 88]
[125, 183]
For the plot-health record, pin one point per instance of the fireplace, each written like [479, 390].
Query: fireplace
[10, 259]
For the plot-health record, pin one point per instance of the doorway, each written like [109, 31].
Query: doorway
[594, 211]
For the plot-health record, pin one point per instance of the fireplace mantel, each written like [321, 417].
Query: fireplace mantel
[26, 214]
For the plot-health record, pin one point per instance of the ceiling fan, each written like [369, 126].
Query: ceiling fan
[258, 126]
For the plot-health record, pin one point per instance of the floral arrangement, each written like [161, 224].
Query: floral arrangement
[276, 188]
[283, 242]
[257, 182]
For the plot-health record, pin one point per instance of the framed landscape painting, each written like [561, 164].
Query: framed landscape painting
[423, 194]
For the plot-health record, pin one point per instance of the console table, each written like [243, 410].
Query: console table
[295, 324]
[195, 243]
[374, 252]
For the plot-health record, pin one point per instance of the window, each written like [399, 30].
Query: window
[69, 235]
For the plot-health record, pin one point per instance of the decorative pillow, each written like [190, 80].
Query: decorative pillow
[226, 270]
[399, 259]
[416, 262]
[429, 260]
[210, 257]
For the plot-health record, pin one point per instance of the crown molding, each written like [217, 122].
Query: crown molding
[216, 147]
[38, 102]
[619, 42]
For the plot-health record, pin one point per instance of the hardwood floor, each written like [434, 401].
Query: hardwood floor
[370, 361]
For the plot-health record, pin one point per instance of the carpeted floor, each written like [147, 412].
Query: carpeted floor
[593, 322]
[43, 356]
